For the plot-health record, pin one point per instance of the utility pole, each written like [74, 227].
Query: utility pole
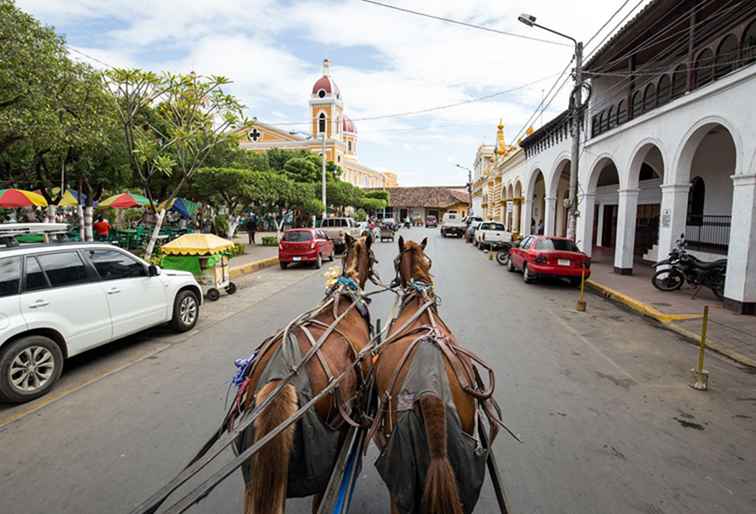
[323, 193]
[469, 187]
[576, 108]
[576, 101]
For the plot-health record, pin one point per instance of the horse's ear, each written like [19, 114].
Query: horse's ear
[349, 240]
[401, 243]
[369, 240]
[424, 243]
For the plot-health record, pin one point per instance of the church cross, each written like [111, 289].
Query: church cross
[255, 134]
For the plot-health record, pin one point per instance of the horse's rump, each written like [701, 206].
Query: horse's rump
[404, 462]
[315, 444]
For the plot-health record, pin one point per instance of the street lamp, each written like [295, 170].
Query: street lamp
[576, 101]
[469, 186]
[322, 138]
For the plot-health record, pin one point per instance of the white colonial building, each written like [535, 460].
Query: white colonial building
[669, 145]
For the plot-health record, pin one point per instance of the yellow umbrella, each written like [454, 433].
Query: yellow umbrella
[68, 200]
[197, 244]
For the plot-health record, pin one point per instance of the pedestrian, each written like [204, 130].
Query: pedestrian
[251, 227]
[540, 228]
[101, 228]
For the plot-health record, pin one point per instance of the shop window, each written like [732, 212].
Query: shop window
[664, 90]
[649, 98]
[704, 70]
[727, 56]
[637, 105]
[679, 81]
[696, 197]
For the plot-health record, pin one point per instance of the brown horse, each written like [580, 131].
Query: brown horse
[297, 461]
[428, 391]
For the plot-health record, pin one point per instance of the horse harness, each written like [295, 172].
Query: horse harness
[463, 362]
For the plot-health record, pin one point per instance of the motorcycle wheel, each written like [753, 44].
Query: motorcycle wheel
[502, 257]
[668, 279]
[718, 289]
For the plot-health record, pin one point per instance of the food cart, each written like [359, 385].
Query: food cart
[206, 256]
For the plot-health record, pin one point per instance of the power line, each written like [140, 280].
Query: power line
[607, 22]
[95, 59]
[463, 23]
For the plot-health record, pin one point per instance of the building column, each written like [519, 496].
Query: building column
[600, 226]
[549, 216]
[528, 216]
[625, 244]
[516, 215]
[740, 285]
[585, 222]
[674, 211]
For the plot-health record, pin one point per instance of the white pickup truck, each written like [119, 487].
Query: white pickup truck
[490, 232]
[337, 228]
[452, 224]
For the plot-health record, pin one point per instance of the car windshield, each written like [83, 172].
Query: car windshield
[562, 245]
[296, 236]
[492, 226]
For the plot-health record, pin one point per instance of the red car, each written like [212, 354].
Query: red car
[304, 245]
[544, 256]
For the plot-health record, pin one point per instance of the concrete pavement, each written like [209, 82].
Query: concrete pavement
[600, 400]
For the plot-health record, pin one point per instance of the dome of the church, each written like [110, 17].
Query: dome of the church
[347, 125]
[326, 85]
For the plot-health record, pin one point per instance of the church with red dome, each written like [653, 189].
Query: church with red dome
[330, 130]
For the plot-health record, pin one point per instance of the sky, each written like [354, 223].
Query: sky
[385, 62]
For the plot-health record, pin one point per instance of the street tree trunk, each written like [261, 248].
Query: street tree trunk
[154, 236]
[88, 215]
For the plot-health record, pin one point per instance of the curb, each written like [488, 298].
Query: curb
[668, 320]
[251, 267]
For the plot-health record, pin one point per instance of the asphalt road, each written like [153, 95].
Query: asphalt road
[600, 400]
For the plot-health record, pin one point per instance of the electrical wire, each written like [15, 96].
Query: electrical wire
[463, 23]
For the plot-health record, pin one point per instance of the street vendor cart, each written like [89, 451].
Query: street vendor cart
[206, 256]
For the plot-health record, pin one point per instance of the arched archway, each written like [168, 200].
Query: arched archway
[599, 210]
[535, 204]
[559, 189]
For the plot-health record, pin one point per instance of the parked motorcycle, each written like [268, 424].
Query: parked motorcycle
[682, 267]
[502, 249]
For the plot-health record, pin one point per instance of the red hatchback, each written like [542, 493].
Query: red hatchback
[304, 245]
[543, 256]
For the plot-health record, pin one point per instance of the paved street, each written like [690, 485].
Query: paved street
[600, 400]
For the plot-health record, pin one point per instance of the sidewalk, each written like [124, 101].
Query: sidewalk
[729, 334]
[256, 257]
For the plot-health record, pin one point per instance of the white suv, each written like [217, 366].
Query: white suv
[59, 300]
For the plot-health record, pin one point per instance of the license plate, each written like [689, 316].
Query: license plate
[296, 258]
[563, 262]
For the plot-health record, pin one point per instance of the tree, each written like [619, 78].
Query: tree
[380, 195]
[302, 169]
[171, 124]
[234, 188]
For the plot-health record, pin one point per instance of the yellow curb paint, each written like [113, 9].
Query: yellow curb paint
[54, 396]
[668, 320]
[251, 267]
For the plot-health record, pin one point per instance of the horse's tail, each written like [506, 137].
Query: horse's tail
[266, 490]
[441, 495]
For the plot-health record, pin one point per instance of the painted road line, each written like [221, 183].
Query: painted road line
[62, 393]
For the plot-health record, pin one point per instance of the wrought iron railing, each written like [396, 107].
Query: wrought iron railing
[708, 232]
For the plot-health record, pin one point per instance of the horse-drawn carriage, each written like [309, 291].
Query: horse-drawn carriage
[388, 230]
[311, 397]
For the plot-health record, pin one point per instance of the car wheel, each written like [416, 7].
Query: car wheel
[28, 368]
[231, 289]
[283, 264]
[186, 309]
[213, 294]
[510, 265]
[526, 274]
[318, 262]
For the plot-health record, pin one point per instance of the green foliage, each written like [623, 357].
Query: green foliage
[360, 215]
[270, 241]
[238, 249]
[380, 195]
[372, 204]
[302, 169]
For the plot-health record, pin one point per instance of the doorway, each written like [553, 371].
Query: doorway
[609, 230]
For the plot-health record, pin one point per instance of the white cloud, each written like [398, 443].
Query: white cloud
[411, 63]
